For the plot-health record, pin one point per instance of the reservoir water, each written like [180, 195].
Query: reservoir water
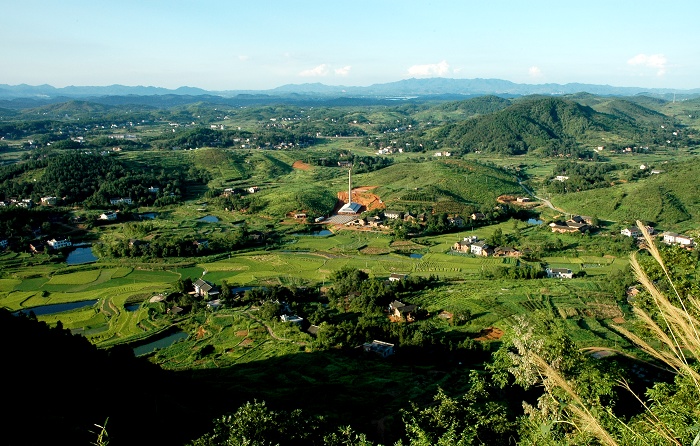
[163, 342]
[43, 310]
[79, 256]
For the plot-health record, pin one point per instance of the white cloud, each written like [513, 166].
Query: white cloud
[243, 58]
[437, 69]
[319, 71]
[343, 71]
[535, 71]
[656, 61]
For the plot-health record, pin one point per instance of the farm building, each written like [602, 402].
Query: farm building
[204, 289]
[394, 277]
[380, 348]
[559, 273]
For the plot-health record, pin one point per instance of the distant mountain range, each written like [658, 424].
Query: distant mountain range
[401, 90]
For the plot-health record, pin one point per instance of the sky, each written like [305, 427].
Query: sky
[223, 45]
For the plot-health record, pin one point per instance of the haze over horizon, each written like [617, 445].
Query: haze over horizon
[218, 46]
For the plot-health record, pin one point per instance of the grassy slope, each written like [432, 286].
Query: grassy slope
[670, 199]
[412, 184]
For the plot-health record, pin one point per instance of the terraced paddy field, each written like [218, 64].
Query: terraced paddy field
[310, 261]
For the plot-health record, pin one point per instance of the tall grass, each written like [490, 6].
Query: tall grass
[675, 341]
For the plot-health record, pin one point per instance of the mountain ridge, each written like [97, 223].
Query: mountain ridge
[402, 88]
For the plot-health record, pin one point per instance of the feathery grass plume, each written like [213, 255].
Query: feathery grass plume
[676, 344]
[681, 335]
[584, 420]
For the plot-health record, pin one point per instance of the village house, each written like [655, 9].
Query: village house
[481, 249]
[380, 348]
[293, 319]
[300, 216]
[401, 311]
[478, 216]
[394, 215]
[559, 273]
[456, 221]
[153, 190]
[671, 238]
[109, 216]
[203, 288]
[631, 231]
[394, 277]
[118, 201]
[573, 225]
[49, 201]
[59, 244]
[505, 251]
[523, 200]
[253, 189]
[462, 247]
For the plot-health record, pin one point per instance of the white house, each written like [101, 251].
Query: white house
[632, 231]
[123, 200]
[253, 189]
[394, 277]
[561, 178]
[110, 216]
[481, 249]
[49, 201]
[671, 238]
[153, 190]
[394, 215]
[58, 244]
[559, 273]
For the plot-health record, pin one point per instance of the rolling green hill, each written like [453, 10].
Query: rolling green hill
[669, 198]
[551, 125]
[450, 186]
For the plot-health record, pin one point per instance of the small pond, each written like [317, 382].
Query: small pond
[148, 215]
[321, 233]
[534, 221]
[163, 342]
[43, 310]
[80, 255]
[132, 307]
[209, 219]
[416, 256]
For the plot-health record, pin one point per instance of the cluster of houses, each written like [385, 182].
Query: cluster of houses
[28, 203]
[472, 245]
[379, 221]
[669, 238]
[576, 224]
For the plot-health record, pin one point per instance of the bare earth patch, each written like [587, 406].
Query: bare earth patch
[363, 196]
[242, 333]
[301, 165]
[246, 342]
[490, 334]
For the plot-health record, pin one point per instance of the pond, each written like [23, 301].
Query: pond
[148, 215]
[416, 256]
[43, 310]
[132, 307]
[209, 219]
[321, 233]
[80, 255]
[533, 221]
[163, 342]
